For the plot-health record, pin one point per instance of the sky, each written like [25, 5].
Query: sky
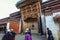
[44, 0]
[7, 7]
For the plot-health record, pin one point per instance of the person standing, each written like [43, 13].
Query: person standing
[5, 31]
[28, 36]
[29, 30]
[13, 34]
[7, 36]
[50, 36]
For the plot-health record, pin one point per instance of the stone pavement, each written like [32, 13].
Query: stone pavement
[34, 37]
[1, 35]
[21, 37]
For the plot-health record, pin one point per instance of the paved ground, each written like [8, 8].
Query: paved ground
[1, 35]
[21, 37]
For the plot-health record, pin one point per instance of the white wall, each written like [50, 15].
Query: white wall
[52, 26]
[7, 26]
[43, 24]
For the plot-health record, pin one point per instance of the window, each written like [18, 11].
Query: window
[44, 0]
[32, 27]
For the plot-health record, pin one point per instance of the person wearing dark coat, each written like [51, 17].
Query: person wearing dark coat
[49, 32]
[5, 31]
[13, 34]
[7, 36]
[50, 36]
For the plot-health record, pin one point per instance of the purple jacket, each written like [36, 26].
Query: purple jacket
[28, 37]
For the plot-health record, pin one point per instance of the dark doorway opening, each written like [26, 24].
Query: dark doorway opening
[40, 26]
[2, 28]
[32, 27]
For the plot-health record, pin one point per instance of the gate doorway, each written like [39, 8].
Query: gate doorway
[34, 28]
[2, 28]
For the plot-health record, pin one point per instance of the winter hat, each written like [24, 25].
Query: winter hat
[27, 29]
[8, 30]
[11, 29]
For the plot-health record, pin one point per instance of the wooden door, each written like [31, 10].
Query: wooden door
[15, 26]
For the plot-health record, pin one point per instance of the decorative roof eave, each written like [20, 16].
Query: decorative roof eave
[15, 13]
[54, 7]
[52, 3]
[24, 3]
[3, 22]
[14, 20]
[4, 19]
[19, 2]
